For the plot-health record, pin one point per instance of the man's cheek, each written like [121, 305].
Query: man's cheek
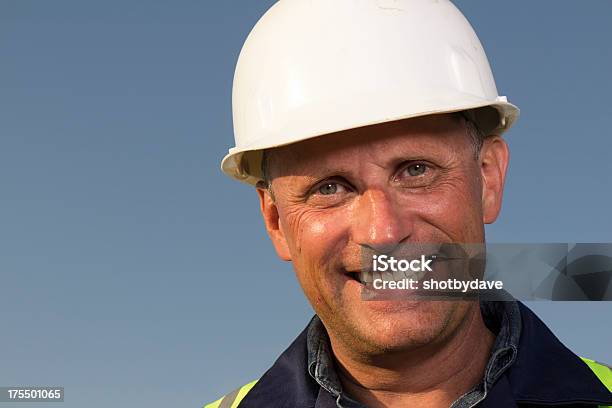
[317, 229]
[313, 228]
[320, 238]
[452, 211]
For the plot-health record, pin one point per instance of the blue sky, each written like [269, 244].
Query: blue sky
[118, 229]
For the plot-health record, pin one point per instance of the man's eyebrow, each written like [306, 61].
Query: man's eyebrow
[323, 170]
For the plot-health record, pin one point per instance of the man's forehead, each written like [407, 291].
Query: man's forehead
[430, 134]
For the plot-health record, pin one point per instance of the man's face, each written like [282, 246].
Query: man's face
[376, 187]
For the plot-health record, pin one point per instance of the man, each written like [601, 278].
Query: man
[367, 125]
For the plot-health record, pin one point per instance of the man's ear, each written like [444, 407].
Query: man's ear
[269, 212]
[494, 157]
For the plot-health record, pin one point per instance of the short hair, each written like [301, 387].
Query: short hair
[265, 166]
[475, 134]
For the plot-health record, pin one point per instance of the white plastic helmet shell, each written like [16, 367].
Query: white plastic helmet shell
[313, 67]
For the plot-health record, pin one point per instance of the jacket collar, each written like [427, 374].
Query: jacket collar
[543, 372]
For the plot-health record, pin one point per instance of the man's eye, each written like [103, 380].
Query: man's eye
[329, 193]
[417, 169]
[328, 188]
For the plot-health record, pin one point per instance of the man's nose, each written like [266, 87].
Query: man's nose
[379, 223]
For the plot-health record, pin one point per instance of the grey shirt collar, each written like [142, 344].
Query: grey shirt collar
[503, 318]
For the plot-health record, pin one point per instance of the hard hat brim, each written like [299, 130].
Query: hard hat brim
[244, 164]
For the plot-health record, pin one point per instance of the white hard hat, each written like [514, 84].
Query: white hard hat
[313, 67]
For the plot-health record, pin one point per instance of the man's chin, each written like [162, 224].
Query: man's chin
[400, 325]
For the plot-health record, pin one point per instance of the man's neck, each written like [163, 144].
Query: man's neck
[427, 377]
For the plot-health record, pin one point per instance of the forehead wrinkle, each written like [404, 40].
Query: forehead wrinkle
[309, 158]
[338, 152]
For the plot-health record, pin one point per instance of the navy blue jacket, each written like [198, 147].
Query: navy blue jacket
[544, 374]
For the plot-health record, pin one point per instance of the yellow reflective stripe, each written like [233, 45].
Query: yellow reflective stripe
[233, 399]
[214, 404]
[243, 392]
[601, 371]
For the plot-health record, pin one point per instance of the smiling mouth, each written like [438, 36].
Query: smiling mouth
[355, 276]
